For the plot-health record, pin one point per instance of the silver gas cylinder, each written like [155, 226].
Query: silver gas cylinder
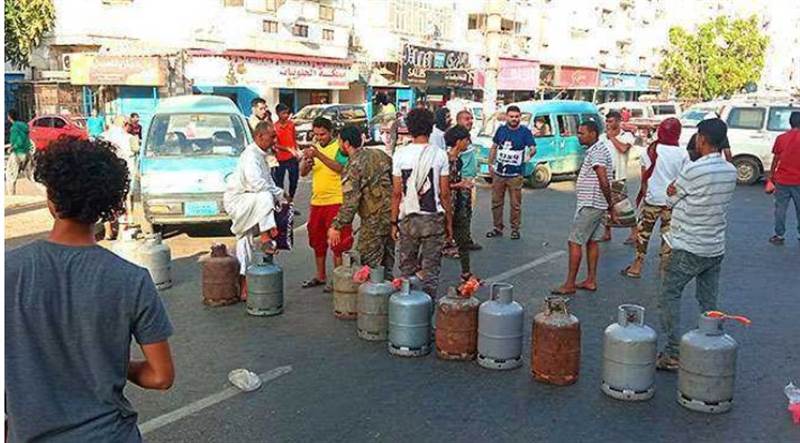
[127, 245]
[156, 257]
[373, 306]
[629, 356]
[264, 281]
[708, 365]
[345, 290]
[410, 322]
[500, 329]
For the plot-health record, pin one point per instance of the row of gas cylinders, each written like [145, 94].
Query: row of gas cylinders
[148, 252]
[492, 332]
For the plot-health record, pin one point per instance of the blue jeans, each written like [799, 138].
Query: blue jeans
[682, 268]
[279, 174]
[783, 194]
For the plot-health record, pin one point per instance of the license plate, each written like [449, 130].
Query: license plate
[200, 209]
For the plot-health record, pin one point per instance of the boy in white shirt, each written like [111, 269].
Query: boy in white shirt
[619, 144]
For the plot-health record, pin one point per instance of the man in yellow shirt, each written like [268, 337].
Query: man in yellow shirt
[325, 163]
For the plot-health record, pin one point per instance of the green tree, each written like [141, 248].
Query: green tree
[26, 22]
[719, 59]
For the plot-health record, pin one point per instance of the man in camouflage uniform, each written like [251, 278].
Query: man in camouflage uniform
[367, 188]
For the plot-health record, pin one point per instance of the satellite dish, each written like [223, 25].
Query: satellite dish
[289, 12]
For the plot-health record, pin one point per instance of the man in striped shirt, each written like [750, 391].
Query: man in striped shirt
[594, 201]
[699, 198]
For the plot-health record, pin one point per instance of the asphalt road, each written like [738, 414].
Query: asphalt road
[341, 388]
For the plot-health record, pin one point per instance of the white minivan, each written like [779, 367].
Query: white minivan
[753, 127]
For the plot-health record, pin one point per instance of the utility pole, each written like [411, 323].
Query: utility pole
[493, 35]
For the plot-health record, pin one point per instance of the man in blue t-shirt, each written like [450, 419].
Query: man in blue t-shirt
[512, 147]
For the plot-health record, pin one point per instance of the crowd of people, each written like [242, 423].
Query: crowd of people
[417, 201]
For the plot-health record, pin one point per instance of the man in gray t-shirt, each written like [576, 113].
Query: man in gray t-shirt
[71, 308]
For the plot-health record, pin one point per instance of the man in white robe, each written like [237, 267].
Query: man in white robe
[252, 197]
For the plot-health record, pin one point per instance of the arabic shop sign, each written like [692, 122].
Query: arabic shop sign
[267, 73]
[435, 67]
[90, 69]
[613, 81]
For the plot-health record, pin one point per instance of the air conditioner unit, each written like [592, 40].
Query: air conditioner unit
[65, 61]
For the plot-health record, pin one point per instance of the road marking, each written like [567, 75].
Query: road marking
[199, 405]
[526, 267]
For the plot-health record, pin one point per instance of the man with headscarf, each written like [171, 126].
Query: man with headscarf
[661, 165]
[441, 125]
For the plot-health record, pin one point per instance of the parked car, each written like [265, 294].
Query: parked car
[384, 122]
[753, 126]
[558, 151]
[189, 151]
[698, 112]
[340, 115]
[46, 129]
[645, 117]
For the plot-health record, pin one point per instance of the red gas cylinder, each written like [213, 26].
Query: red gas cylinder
[220, 277]
[457, 325]
[556, 344]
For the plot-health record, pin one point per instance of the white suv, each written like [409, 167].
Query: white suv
[752, 129]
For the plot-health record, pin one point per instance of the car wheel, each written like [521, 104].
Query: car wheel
[748, 170]
[541, 176]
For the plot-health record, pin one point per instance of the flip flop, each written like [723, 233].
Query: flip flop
[314, 282]
[627, 273]
[559, 291]
[515, 235]
[586, 288]
[494, 233]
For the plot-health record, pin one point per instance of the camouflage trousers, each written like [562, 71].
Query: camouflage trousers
[421, 241]
[462, 218]
[376, 248]
[647, 222]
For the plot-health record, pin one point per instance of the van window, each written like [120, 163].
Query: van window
[542, 126]
[779, 118]
[568, 125]
[746, 118]
[191, 135]
[637, 113]
[664, 110]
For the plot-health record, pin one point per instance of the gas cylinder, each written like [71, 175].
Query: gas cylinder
[500, 329]
[409, 322]
[708, 365]
[345, 290]
[457, 326]
[264, 286]
[127, 245]
[373, 306]
[629, 356]
[556, 344]
[220, 277]
[156, 257]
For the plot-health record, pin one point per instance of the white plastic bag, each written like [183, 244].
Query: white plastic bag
[245, 380]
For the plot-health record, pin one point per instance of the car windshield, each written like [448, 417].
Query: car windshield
[309, 113]
[498, 119]
[192, 135]
[695, 114]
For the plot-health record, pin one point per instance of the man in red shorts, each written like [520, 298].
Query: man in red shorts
[325, 163]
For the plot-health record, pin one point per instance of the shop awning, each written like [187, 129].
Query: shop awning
[259, 55]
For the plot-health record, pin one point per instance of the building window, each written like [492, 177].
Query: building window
[270, 26]
[476, 21]
[419, 18]
[326, 13]
[233, 2]
[300, 30]
[273, 5]
[327, 34]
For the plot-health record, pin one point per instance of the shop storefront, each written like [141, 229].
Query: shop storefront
[620, 86]
[517, 80]
[436, 74]
[278, 78]
[569, 82]
[119, 85]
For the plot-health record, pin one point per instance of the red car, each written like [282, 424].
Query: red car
[46, 129]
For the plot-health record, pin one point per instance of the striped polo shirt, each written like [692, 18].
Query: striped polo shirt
[704, 190]
[588, 187]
